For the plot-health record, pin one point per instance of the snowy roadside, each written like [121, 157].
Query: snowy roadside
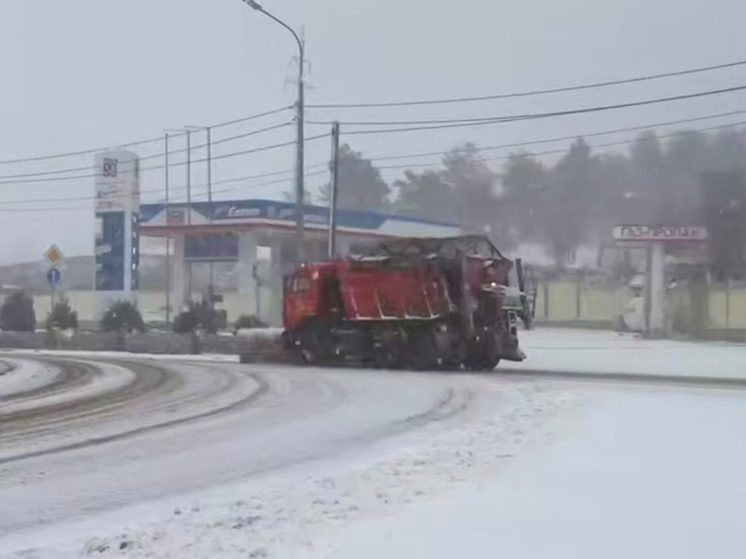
[647, 475]
[592, 351]
[283, 514]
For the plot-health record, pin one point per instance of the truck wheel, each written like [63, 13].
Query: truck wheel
[314, 342]
[388, 357]
[423, 350]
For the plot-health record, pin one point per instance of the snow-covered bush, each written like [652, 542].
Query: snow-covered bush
[122, 316]
[62, 317]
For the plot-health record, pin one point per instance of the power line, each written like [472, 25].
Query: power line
[177, 164]
[564, 150]
[637, 128]
[533, 92]
[400, 166]
[137, 143]
[449, 123]
[149, 157]
[154, 191]
[323, 166]
[251, 117]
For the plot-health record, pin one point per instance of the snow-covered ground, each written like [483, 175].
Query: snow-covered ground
[646, 475]
[364, 464]
[590, 351]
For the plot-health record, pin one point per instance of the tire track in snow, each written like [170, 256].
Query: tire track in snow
[152, 382]
[56, 409]
[64, 378]
[20, 372]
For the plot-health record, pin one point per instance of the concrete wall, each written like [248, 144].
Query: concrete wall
[568, 301]
[572, 302]
[726, 308]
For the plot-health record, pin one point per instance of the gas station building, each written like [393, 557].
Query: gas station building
[234, 230]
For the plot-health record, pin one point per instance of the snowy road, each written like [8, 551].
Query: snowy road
[101, 435]
[598, 445]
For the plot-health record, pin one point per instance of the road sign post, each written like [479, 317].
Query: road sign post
[53, 255]
[54, 277]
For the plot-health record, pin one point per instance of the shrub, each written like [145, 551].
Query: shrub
[186, 322]
[248, 322]
[200, 316]
[17, 313]
[124, 316]
[62, 316]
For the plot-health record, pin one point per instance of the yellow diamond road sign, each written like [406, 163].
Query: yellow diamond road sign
[53, 255]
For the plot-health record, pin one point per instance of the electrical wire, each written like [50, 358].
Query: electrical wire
[391, 167]
[171, 165]
[447, 123]
[150, 191]
[637, 128]
[149, 157]
[564, 150]
[160, 190]
[565, 89]
[137, 143]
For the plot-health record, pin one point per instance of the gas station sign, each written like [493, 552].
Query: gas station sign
[660, 233]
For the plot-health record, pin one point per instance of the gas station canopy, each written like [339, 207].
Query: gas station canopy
[161, 220]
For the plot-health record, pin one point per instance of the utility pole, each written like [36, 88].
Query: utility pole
[334, 194]
[300, 117]
[189, 202]
[211, 288]
[189, 174]
[168, 238]
[300, 154]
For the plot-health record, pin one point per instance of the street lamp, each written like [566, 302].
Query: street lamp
[208, 133]
[187, 131]
[300, 107]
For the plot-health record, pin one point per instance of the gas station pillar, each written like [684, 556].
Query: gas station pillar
[656, 288]
[180, 295]
[276, 273]
[247, 259]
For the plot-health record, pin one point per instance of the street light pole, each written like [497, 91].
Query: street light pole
[300, 117]
[334, 194]
[168, 238]
[211, 288]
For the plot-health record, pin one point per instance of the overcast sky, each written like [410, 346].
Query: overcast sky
[79, 74]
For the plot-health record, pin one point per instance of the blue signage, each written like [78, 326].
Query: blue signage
[211, 248]
[135, 263]
[54, 277]
[110, 247]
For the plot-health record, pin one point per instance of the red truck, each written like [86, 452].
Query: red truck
[409, 303]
